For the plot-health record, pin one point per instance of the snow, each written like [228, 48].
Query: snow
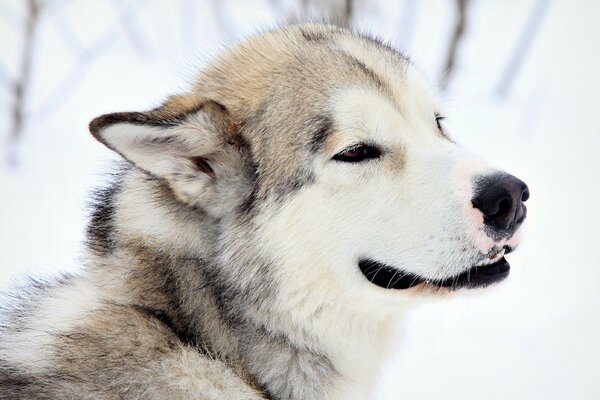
[533, 337]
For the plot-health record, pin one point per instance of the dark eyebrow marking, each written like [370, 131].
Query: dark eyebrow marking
[381, 84]
[384, 45]
[322, 128]
[366, 70]
[312, 36]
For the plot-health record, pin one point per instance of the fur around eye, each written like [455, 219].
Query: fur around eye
[438, 120]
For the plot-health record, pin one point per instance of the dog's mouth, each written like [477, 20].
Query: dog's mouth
[492, 269]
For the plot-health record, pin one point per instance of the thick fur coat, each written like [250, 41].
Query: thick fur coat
[265, 235]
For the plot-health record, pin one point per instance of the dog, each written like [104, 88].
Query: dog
[266, 233]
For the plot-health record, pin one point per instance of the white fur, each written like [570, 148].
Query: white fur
[406, 209]
[60, 311]
[157, 223]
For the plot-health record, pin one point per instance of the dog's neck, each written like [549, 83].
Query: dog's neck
[328, 355]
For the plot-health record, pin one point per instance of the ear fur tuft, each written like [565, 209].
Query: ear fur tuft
[171, 113]
[190, 143]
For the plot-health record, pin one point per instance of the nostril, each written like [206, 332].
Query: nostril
[503, 208]
[521, 214]
[525, 195]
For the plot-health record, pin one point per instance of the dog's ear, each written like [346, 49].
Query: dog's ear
[191, 144]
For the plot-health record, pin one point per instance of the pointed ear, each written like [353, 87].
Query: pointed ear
[191, 144]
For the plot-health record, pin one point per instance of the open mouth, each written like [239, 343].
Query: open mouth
[494, 268]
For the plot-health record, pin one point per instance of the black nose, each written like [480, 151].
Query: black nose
[500, 198]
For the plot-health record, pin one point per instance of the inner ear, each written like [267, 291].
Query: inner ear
[202, 165]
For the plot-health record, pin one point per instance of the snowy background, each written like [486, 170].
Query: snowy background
[537, 336]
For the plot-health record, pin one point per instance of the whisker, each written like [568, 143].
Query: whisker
[398, 280]
[391, 279]
[376, 272]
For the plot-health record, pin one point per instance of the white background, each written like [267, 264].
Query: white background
[537, 336]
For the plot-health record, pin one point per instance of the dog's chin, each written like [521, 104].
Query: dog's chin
[389, 277]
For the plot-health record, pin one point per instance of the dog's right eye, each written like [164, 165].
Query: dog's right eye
[357, 153]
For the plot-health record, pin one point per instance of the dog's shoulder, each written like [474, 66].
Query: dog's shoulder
[63, 339]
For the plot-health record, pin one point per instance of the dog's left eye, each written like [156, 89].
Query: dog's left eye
[359, 152]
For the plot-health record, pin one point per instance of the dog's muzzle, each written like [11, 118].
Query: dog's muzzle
[500, 197]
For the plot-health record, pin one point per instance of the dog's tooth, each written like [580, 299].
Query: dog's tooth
[483, 262]
[499, 256]
[491, 260]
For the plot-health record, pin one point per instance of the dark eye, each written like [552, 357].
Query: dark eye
[359, 152]
[438, 121]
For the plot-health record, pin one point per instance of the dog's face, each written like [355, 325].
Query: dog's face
[325, 153]
[395, 201]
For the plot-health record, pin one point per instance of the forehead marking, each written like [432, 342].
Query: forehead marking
[360, 65]
[312, 36]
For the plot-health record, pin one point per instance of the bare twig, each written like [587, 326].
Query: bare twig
[133, 30]
[459, 30]
[408, 22]
[531, 28]
[21, 83]
[277, 7]
[337, 12]
[68, 35]
[5, 79]
[80, 67]
[85, 59]
[346, 12]
[223, 19]
[304, 6]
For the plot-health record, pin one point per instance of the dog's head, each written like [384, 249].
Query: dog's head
[324, 152]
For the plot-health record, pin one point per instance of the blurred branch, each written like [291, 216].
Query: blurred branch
[21, 83]
[521, 49]
[344, 13]
[408, 21]
[277, 7]
[85, 59]
[223, 19]
[68, 35]
[132, 30]
[459, 30]
[337, 12]
[5, 79]
[67, 86]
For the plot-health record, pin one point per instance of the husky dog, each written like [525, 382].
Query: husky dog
[267, 234]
